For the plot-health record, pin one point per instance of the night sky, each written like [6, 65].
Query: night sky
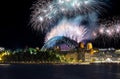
[15, 32]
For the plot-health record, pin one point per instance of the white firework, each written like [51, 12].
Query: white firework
[47, 13]
[70, 30]
[108, 28]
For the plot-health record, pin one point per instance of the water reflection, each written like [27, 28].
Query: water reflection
[43, 71]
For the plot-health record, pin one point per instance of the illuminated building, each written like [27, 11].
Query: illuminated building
[81, 44]
[90, 49]
[2, 49]
[89, 46]
[87, 57]
[71, 57]
[81, 51]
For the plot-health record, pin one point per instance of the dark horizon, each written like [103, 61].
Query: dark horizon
[15, 31]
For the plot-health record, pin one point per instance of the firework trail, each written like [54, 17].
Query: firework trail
[47, 13]
[70, 30]
[108, 28]
[108, 31]
[75, 19]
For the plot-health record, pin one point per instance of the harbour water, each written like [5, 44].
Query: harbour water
[48, 71]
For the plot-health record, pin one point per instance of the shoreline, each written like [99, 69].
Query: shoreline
[60, 63]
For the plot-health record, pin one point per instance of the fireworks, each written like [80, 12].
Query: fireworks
[74, 19]
[47, 13]
[109, 28]
[70, 30]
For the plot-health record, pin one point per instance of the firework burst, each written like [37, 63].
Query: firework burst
[46, 14]
[70, 30]
[108, 28]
